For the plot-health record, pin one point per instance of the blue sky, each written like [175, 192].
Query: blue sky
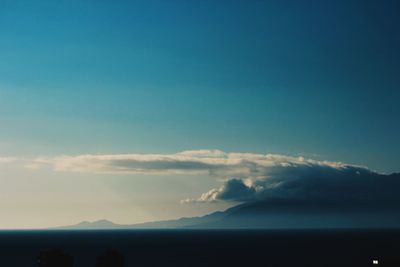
[284, 77]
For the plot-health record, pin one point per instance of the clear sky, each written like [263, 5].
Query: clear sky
[318, 79]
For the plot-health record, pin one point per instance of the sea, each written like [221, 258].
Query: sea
[133, 248]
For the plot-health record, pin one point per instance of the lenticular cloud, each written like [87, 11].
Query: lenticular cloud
[251, 177]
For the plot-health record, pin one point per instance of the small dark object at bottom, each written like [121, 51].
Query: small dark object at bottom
[55, 258]
[110, 258]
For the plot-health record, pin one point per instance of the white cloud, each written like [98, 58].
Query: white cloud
[7, 159]
[214, 162]
[249, 177]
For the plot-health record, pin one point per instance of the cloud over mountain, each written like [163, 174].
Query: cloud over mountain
[249, 177]
[313, 186]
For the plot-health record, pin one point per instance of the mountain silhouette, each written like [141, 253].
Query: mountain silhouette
[266, 215]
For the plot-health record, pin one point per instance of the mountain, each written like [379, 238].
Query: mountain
[264, 215]
[168, 224]
[85, 225]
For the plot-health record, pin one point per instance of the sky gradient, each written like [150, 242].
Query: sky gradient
[303, 79]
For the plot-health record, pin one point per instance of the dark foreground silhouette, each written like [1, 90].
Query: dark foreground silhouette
[180, 248]
[110, 258]
[57, 258]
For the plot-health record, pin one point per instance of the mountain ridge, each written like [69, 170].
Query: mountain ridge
[261, 215]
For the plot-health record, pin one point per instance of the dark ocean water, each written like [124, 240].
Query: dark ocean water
[208, 248]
